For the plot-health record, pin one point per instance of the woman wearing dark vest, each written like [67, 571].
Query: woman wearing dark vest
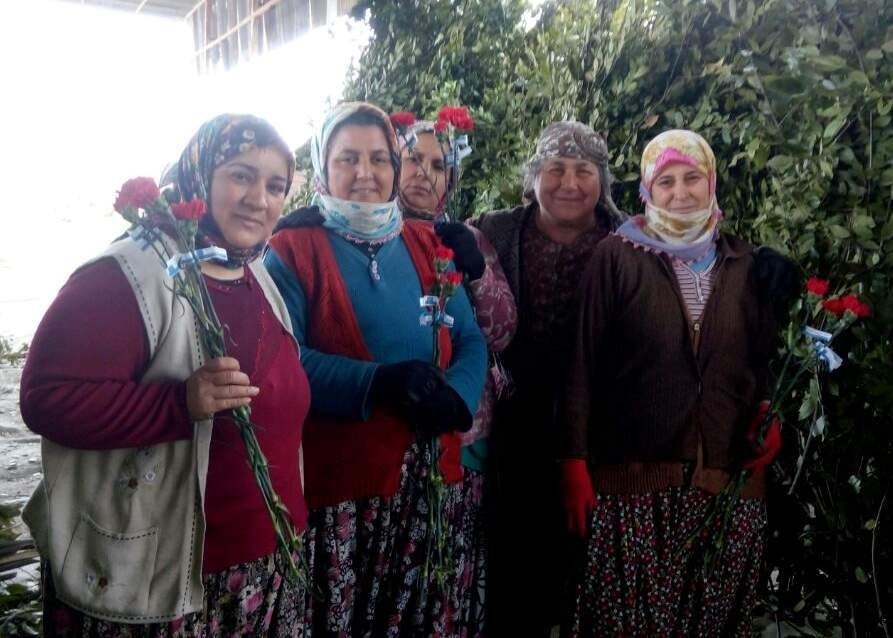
[149, 518]
[670, 364]
[543, 248]
[352, 272]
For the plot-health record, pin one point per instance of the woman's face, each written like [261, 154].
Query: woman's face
[423, 176]
[247, 195]
[567, 190]
[359, 164]
[680, 188]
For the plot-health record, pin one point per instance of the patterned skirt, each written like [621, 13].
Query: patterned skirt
[367, 558]
[640, 578]
[251, 599]
[473, 578]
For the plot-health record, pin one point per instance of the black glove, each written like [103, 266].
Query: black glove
[467, 255]
[420, 392]
[444, 411]
[777, 280]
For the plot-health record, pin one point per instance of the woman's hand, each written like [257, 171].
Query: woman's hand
[466, 255]
[421, 393]
[578, 496]
[217, 386]
[763, 454]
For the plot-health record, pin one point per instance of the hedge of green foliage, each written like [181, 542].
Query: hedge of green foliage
[795, 97]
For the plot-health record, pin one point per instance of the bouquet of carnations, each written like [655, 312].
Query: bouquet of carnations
[817, 320]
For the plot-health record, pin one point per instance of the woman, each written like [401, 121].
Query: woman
[426, 183]
[543, 248]
[149, 518]
[673, 344]
[352, 273]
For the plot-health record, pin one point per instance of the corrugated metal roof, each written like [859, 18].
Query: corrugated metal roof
[164, 8]
[227, 31]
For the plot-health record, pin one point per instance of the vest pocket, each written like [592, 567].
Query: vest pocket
[109, 573]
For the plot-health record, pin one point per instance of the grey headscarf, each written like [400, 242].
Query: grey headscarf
[575, 140]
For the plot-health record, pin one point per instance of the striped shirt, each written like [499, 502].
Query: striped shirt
[695, 286]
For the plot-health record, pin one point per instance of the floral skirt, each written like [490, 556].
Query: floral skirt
[251, 599]
[640, 578]
[473, 578]
[367, 559]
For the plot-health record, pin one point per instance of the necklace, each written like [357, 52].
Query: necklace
[374, 270]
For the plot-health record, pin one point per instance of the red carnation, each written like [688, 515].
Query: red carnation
[454, 278]
[834, 306]
[851, 303]
[458, 116]
[138, 192]
[402, 119]
[465, 123]
[442, 253]
[440, 126]
[817, 287]
[189, 211]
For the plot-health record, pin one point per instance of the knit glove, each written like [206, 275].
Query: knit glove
[577, 495]
[420, 393]
[442, 411]
[765, 453]
[777, 280]
[466, 254]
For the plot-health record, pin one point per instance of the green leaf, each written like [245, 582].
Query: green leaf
[834, 126]
[874, 54]
[807, 407]
[650, 121]
[829, 62]
[887, 46]
[862, 226]
[839, 232]
[861, 576]
[780, 163]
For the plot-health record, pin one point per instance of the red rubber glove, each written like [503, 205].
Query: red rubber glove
[766, 452]
[578, 496]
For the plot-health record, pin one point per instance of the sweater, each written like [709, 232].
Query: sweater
[123, 529]
[649, 388]
[81, 388]
[348, 323]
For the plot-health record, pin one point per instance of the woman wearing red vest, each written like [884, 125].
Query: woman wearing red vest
[352, 273]
[427, 180]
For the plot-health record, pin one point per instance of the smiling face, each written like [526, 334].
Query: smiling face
[567, 191]
[423, 176]
[247, 195]
[681, 188]
[359, 166]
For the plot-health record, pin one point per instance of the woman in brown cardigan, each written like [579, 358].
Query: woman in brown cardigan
[673, 344]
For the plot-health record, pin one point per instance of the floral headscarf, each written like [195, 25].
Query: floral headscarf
[356, 221]
[687, 236]
[426, 127]
[575, 140]
[216, 142]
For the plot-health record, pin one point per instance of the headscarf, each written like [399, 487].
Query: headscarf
[687, 236]
[575, 140]
[216, 142]
[360, 222]
[426, 127]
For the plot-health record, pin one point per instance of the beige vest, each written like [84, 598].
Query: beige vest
[123, 530]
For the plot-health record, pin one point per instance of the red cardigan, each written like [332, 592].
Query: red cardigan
[346, 459]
